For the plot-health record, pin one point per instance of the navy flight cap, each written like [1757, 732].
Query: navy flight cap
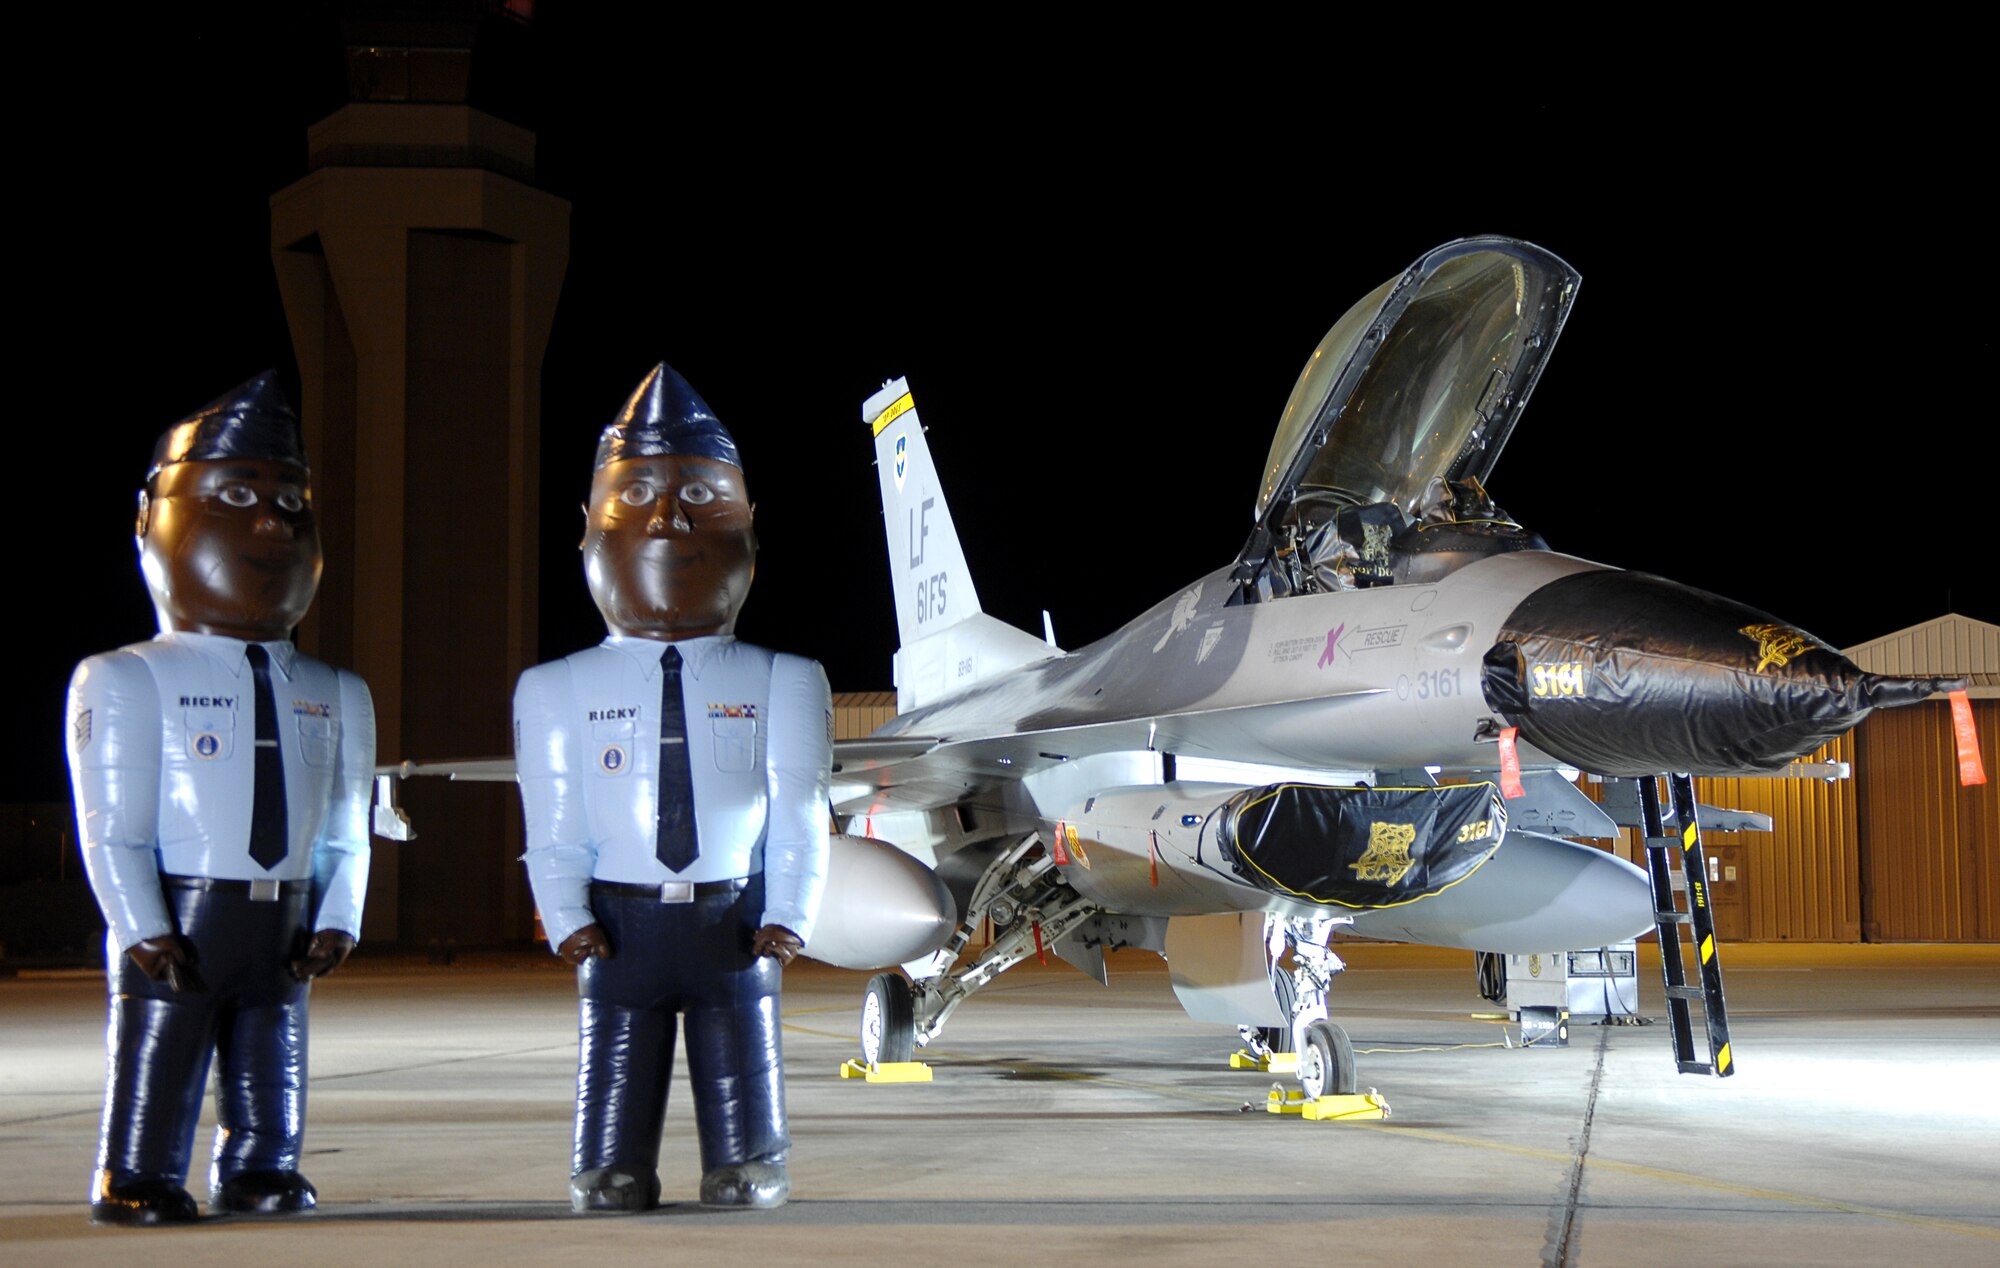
[252, 420]
[666, 416]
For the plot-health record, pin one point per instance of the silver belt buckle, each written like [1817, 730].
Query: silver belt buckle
[263, 891]
[677, 892]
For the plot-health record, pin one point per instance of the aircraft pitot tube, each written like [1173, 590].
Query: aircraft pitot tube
[1623, 673]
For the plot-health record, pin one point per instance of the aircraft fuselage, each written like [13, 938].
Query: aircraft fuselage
[1353, 681]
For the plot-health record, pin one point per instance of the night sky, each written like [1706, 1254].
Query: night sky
[1101, 285]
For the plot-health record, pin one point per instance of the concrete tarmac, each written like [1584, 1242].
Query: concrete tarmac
[1073, 1122]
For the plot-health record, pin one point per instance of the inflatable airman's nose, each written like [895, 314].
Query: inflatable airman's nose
[251, 420]
[666, 416]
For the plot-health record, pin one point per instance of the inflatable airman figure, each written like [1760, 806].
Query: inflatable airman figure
[675, 784]
[222, 790]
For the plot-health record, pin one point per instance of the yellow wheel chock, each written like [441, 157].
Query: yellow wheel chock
[887, 1071]
[1276, 1063]
[1348, 1107]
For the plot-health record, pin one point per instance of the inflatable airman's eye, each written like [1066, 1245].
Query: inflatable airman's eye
[638, 493]
[239, 495]
[697, 494]
[290, 500]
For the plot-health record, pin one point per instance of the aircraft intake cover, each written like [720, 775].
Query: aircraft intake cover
[1360, 847]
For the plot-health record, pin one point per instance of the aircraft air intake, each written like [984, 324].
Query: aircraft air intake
[1623, 673]
[1360, 847]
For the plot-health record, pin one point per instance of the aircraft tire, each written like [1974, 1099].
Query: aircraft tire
[1326, 1061]
[888, 1021]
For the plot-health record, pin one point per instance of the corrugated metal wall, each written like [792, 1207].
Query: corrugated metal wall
[1932, 847]
[1952, 646]
[1801, 881]
[860, 713]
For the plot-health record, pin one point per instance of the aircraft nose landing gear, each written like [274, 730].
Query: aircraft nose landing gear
[1313, 1048]
[1326, 1062]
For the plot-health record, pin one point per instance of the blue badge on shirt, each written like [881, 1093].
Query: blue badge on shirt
[207, 744]
[612, 761]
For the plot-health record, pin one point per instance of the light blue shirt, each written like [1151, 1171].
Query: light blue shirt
[760, 750]
[162, 757]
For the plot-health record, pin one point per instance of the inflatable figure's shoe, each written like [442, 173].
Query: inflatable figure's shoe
[264, 1193]
[140, 1203]
[756, 1185]
[614, 1190]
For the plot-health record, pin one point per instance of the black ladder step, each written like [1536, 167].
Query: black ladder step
[1662, 843]
[1672, 917]
[1695, 1067]
[1685, 992]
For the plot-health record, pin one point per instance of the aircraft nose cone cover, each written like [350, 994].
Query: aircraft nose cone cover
[1622, 673]
[251, 420]
[666, 416]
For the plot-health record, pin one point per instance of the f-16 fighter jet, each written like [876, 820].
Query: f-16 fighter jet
[1370, 719]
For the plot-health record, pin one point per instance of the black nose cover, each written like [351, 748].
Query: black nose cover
[1622, 673]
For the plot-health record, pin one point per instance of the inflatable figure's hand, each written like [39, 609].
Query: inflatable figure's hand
[326, 952]
[776, 941]
[585, 943]
[168, 958]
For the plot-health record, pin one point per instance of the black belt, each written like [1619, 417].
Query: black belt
[672, 891]
[255, 891]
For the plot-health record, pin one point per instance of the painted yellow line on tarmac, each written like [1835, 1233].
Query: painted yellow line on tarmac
[1794, 1199]
[1432, 1136]
[1689, 1179]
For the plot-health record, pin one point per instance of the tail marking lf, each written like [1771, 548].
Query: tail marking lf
[947, 643]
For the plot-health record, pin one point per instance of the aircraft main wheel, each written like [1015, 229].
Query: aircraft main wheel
[888, 1021]
[1326, 1061]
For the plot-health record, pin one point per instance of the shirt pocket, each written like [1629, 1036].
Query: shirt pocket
[319, 740]
[211, 736]
[611, 742]
[735, 744]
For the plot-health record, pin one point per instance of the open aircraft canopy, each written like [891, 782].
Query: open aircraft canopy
[1423, 378]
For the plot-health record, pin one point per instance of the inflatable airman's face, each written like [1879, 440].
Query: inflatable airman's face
[230, 546]
[668, 548]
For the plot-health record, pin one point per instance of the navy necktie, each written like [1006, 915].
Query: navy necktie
[269, 837]
[675, 845]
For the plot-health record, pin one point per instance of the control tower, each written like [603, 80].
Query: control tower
[420, 267]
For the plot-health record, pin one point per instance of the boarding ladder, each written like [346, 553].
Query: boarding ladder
[1682, 997]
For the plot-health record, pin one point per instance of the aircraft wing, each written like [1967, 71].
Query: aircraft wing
[932, 773]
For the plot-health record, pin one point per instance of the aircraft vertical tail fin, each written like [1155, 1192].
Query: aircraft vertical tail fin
[947, 642]
[926, 563]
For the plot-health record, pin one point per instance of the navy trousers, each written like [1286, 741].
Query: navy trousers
[691, 959]
[248, 1016]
